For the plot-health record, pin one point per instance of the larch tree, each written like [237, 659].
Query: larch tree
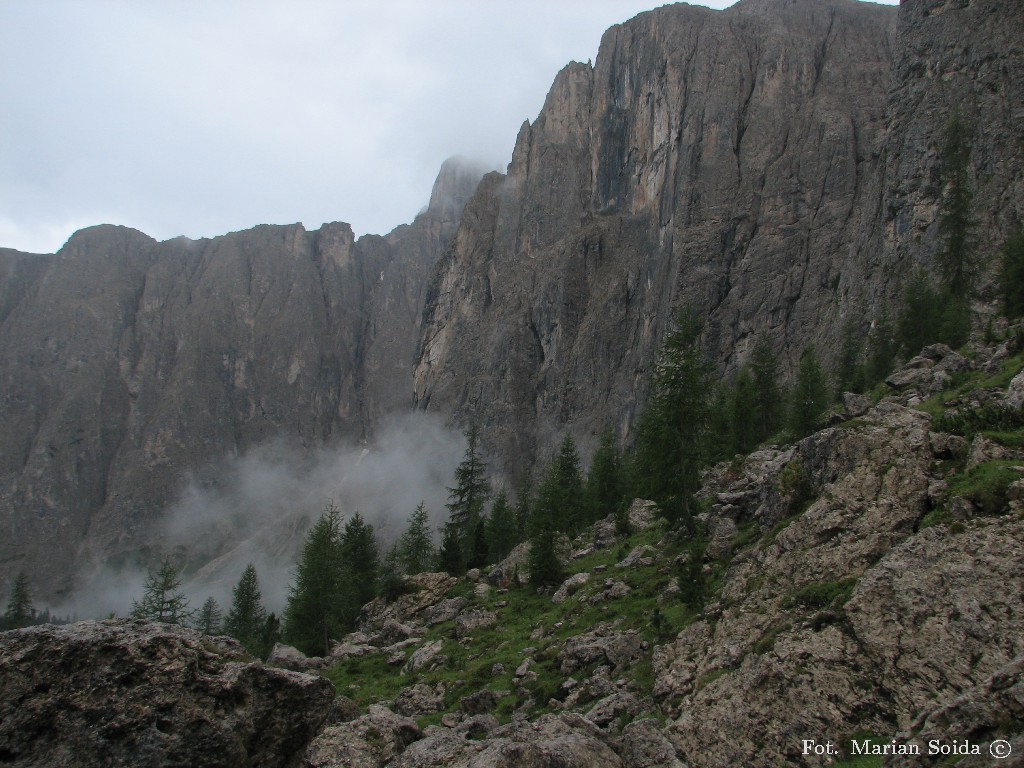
[162, 598]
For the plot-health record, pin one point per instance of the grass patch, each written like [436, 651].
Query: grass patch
[986, 485]
[827, 594]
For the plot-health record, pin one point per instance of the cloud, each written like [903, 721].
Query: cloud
[257, 508]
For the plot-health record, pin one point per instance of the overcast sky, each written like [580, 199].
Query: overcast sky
[198, 117]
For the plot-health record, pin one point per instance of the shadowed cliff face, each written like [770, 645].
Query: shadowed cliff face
[128, 364]
[717, 159]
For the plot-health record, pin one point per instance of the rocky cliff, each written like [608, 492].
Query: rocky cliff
[775, 166]
[129, 365]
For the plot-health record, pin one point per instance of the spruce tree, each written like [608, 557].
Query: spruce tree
[247, 615]
[19, 612]
[768, 398]
[545, 567]
[209, 617]
[561, 494]
[1011, 281]
[162, 599]
[467, 498]
[956, 225]
[745, 435]
[810, 396]
[361, 555]
[312, 615]
[850, 375]
[605, 482]
[502, 530]
[416, 550]
[882, 350]
[671, 437]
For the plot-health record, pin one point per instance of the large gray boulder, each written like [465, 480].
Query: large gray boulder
[127, 693]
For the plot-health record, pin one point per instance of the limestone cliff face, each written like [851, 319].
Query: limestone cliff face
[128, 364]
[775, 166]
[717, 159]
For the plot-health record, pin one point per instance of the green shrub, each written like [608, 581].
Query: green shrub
[986, 485]
[828, 594]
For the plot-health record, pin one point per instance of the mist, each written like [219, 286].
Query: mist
[257, 507]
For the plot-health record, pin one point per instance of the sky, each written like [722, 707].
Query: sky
[199, 118]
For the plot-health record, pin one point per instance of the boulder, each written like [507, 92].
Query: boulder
[468, 622]
[369, 741]
[645, 745]
[603, 646]
[419, 700]
[423, 590]
[287, 657]
[446, 610]
[425, 656]
[516, 564]
[570, 587]
[124, 692]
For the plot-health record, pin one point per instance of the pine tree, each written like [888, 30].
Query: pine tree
[671, 437]
[20, 612]
[882, 351]
[361, 556]
[209, 617]
[810, 396]
[247, 615]
[416, 552]
[605, 482]
[312, 615]
[502, 530]
[161, 599]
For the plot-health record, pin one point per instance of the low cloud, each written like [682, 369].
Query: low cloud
[257, 508]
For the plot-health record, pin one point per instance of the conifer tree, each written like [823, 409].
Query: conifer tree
[502, 530]
[416, 551]
[19, 612]
[450, 557]
[768, 399]
[561, 494]
[1012, 275]
[955, 221]
[672, 435]
[745, 435]
[810, 396]
[247, 615]
[545, 567]
[605, 482]
[361, 556]
[209, 617]
[467, 498]
[162, 599]
[850, 374]
[313, 613]
[882, 351]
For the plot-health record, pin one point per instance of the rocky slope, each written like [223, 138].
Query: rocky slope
[128, 364]
[862, 585]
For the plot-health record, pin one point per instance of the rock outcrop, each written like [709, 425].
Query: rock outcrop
[125, 693]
